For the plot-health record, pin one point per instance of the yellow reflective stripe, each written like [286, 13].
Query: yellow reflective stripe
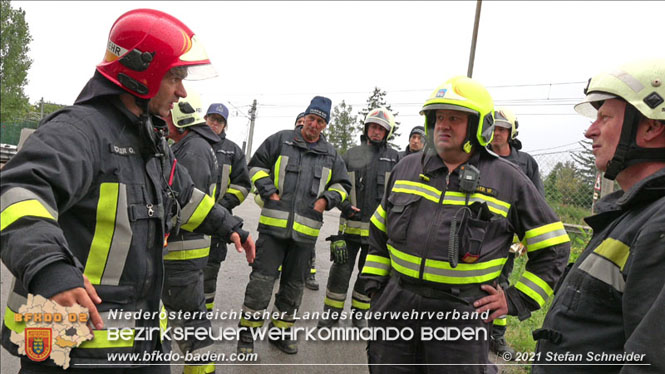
[163, 319]
[500, 321]
[199, 369]
[339, 189]
[404, 263]
[495, 205]
[277, 222]
[200, 213]
[359, 304]
[546, 236]
[282, 324]
[419, 189]
[225, 180]
[379, 218]
[240, 194]
[442, 272]
[101, 340]
[356, 231]
[305, 229]
[278, 172]
[534, 287]
[27, 208]
[210, 306]
[377, 265]
[188, 254]
[11, 324]
[258, 173]
[101, 242]
[248, 323]
[352, 195]
[615, 251]
[333, 303]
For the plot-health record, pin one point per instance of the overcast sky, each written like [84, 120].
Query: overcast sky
[534, 57]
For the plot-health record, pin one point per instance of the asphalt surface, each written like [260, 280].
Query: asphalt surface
[313, 356]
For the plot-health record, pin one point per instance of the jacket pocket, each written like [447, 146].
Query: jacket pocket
[400, 215]
[116, 297]
[472, 232]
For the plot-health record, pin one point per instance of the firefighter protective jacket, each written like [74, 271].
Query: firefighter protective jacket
[194, 153]
[300, 173]
[86, 195]
[612, 301]
[369, 167]
[233, 185]
[410, 230]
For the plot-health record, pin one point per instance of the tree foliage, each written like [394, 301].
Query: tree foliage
[341, 132]
[376, 100]
[565, 184]
[14, 62]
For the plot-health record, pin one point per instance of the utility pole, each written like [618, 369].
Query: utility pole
[42, 108]
[476, 23]
[252, 117]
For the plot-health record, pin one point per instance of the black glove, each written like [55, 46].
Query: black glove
[338, 251]
[347, 209]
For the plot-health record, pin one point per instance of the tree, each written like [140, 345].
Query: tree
[341, 132]
[377, 99]
[14, 62]
[586, 165]
[565, 185]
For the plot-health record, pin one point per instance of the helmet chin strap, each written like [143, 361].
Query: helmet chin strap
[152, 133]
[627, 152]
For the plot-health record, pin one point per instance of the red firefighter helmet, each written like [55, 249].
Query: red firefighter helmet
[144, 44]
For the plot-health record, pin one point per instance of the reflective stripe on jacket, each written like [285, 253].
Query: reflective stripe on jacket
[369, 169]
[410, 229]
[233, 184]
[300, 173]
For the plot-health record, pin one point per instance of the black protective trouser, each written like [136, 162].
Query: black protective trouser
[31, 367]
[183, 291]
[447, 356]
[218, 251]
[339, 277]
[294, 258]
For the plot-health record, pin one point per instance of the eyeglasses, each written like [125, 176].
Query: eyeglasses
[220, 120]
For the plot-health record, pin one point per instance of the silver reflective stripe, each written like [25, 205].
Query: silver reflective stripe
[255, 170]
[422, 191]
[352, 194]
[463, 273]
[286, 317]
[340, 189]
[385, 183]
[376, 265]
[604, 270]
[211, 189]
[282, 174]
[403, 263]
[358, 225]
[120, 321]
[246, 309]
[542, 237]
[190, 208]
[122, 240]
[15, 301]
[629, 80]
[272, 213]
[312, 223]
[210, 295]
[224, 180]
[361, 297]
[490, 204]
[534, 287]
[377, 216]
[186, 245]
[325, 174]
[242, 189]
[17, 194]
[335, 295]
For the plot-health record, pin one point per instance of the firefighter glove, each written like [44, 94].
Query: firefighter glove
[338, 251]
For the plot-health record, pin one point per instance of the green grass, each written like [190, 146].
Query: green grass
[518, 334]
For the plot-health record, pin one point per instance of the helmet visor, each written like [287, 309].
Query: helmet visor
[197, 62]
[589, 106]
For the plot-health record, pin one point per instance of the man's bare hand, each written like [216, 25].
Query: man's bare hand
[320, 205]
[248, 246]
[275, 197]
[496, 302]
[86, 297]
